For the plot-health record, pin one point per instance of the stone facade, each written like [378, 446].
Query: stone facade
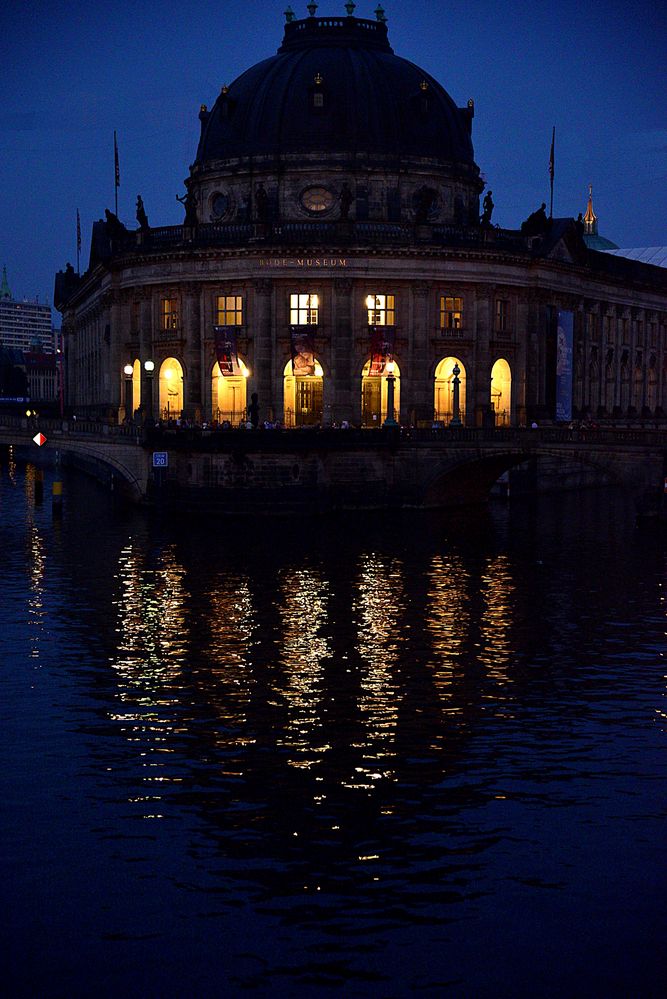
[273, 220]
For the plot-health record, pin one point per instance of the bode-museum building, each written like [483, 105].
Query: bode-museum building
[336, 237]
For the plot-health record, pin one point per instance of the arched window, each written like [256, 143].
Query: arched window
[228, 395]
[303, 397]
[501, 392]
[171, 389]
[374, 396]
[443, 401]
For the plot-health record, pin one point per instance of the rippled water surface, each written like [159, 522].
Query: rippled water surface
[376, 756]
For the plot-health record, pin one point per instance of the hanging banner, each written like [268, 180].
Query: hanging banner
[564, 344]
[303, 350]
[382, 348]
[225, 350]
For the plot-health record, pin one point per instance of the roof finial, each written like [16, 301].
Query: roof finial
[379, 13]
[311, 8]
[349, 7]
[590, 218]
[289, 14]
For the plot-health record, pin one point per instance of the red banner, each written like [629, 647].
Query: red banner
[382, 348]
[303, 350]
[225, 350]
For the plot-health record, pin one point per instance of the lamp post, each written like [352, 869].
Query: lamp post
[128, 371]
[456, 383]
[149, 368]
[391, 379]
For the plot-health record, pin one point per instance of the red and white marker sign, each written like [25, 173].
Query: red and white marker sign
[39, 439]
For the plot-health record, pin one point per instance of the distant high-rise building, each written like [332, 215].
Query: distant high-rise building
[24, 325]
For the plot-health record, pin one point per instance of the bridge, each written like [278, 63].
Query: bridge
[309, 469]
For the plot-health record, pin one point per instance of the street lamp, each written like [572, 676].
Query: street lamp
[128, 371]
[391, 379]
[149, 368]
[456, 383]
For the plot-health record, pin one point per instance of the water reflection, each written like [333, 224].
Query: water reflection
[448, 622]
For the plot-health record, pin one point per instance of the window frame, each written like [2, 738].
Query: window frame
[448, 314]
[223, 313]
[384, 311]
[170, 313]
[306, 310]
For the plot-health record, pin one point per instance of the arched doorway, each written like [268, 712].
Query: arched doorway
[501, 392]
[374, 396]
[303, 397]
[228, 395]
[171, 389]
[443, 401]
[136, 387]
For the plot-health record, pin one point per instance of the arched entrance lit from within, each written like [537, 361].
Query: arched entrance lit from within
[228, 395]
[136, 387]
[374, 396]
[501, 392]
[443, 401]
[303, 404]
[171, 389]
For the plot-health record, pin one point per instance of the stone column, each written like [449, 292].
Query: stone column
[262, 345]
[482, 323]
[111, 346]
[417, 398]
[520, 373]
[344, 393]
[192, 389]
[146, 346]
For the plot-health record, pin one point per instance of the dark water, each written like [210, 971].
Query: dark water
[363, 757]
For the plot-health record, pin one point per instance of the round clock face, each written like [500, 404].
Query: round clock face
[317, 199]
[220, 205]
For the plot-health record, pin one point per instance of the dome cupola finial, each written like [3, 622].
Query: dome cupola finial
[311, 8]
[289, 14]
[590, 218]
[380, 14]
[349, 7]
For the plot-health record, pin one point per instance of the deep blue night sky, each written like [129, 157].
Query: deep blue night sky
[72, 72]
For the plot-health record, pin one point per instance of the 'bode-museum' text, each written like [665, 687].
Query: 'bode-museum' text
[303, 261]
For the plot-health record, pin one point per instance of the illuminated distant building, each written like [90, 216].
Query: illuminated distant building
[334, 239]
[25, 326]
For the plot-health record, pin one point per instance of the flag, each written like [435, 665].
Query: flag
[303, 350]
[225, 350]
[551, 156]
[78, 232]
[115, 159]
[382, 348]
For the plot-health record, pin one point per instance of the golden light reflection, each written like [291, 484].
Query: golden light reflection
[303, 611]
[380, 596]
[36, 562]
[151, 653]
[448, 623]
[232, 622]
[497, 589]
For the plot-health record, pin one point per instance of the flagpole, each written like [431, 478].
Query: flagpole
[551, 172]
[78, 243]
[116, 170]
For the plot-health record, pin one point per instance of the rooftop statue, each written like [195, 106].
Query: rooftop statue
[537, 223]
[189, 202]
[115, 228]
[142, 218]
[487, 206]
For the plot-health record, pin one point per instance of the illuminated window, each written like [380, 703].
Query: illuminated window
[303, 310]
[451, 313]
[317, 199]
[381, 310]
[230, 310]
[318, 99]
[502, 315]
[170, 314]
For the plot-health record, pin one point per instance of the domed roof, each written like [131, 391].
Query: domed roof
[335, 85]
